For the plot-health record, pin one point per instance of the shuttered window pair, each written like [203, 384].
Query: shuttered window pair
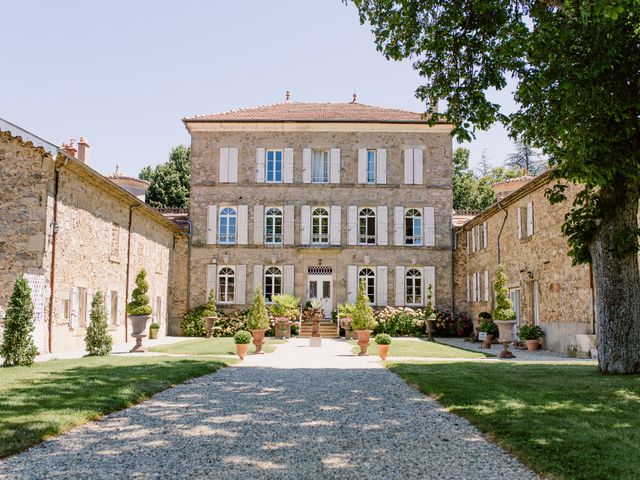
[273, 225]
[321, 165]
[375, 279]
[411, 284]
[478, 293]
[320, 225]
[274, 280]
[525, 221]
[228, 166]
[414, 226]
[478, 238]
[274, 165]
[229, 283]
[413, 166]
[372, 166]
[367, 225]
[227, 225]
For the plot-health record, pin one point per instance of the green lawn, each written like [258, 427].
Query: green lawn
[569, 421]
[212, 346]
[407, 347]
[52, 397]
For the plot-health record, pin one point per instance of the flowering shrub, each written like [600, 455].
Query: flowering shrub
[399, 321]
[456, 325]
[464, 325]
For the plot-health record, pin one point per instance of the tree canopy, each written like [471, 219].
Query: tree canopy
[169, 182]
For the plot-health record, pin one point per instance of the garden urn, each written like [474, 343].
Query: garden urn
[283, 327]
[533, 345]
[431, 327]
[383, 351]
[209, 322]
[138, 331]
[505, 329]
[258, 340]
[241, 349]
[364, 337]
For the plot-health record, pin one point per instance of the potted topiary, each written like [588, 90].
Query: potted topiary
[210, 313]
[285, 309]
[430, 314]
[139, 310]
[242, 338]
[384, 342]
[154, 328]
[363, 320]
[345, 318]
[531, 334]
[488, 327]
[258, 320]
[503, 314]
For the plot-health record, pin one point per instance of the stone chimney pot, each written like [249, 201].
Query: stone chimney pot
[83, 150]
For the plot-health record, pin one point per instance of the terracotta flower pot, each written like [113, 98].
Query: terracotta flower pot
[488, 341]
[258, 340]
[364, 337]
[383, 351]
[533, 345]
[241, 349]
[283, 328]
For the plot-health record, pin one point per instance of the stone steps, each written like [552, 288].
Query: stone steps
[327, 330]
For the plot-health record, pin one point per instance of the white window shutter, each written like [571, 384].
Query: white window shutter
[362, 165]
[398, 225]
[485, 235]
[288, 166]
[519, 215]
[335, 166]
[399, 286]
[212, 224]
[430, 279]
[381, 166]
[529, 219]
[288, 280]
[305, 225]
[260, 165]
[382, 285]
[212, 278]
[89, 302]
[233, 165]
[335, 219]
[241, 284]
[258, 272]
[107, 306]
[473, 239]
[468, 290]
[289, 225]
[352, 225]
[474, 280]
[258, 224]
[243, 220]
[417, 167]
[352, 283]
[223, 170]
[468, 241]
[479, 284]
[486, 285]
[429, 226]
[408, 166]
[382, 225]
[306, 165]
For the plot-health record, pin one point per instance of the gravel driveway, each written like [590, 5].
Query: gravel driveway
[297, 413]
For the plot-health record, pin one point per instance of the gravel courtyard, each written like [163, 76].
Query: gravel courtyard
[300, 412]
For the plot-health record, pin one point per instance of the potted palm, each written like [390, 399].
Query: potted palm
[531, 334]
[430, 314]
[384, 342]
[210, 313]
[285, 308]
[363, 321]
[139, 310]
[258, 320]
[345, 317]
[503, 314]
[242, 338]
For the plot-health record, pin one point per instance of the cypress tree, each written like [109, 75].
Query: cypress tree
[97, 340]
[17, 342]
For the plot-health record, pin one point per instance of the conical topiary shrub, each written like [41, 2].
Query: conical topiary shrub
[97, 339]
[139, 304]
[504, 307]
[258, 318]
[17, 342]
[363, 318]
[210, 309]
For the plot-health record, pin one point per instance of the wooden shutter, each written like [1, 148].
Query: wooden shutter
[486, 285]
[260, 153]
[468, 290]
[243, 227]
[382, 225]
[289, 225]
[305, 225]
[474, 280]
[352, 225]
[429, 274]
[334, 176]
[212, 278]
[473, 239]
[381, 166]
[212, 224]
[399, 285]
[485, 235]
[258, 224]
[382, 285]
[241, 284]
[352, 283]
[306, 165]
[288, 280]
[73, 307]
[335, 219]
[468, 241]
[107, 306]
[362, 165]
[519, 217]
[233, 165]
[87, 320]
[529, 219]
[398, 225]
[258, 279]
[408, 166]
[429, 227]
[223, 171]
[287, 176]
[417, 167]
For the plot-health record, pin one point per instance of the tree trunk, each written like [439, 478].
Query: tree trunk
[617, 284]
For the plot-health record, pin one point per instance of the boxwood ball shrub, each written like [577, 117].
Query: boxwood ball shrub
[139, 304]
[530, 332]
[242, 337]
[383, 339]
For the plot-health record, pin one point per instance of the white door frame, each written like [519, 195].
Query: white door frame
[326, 303]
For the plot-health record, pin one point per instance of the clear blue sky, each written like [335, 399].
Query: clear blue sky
[123, 73]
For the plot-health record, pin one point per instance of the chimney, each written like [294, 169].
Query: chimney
[83, 150]
[70, 148]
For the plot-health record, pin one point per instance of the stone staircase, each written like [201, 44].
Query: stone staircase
[328, 329]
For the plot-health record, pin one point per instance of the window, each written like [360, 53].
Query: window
[273, 226]
[114, 251]
[525, 221]
[367, 227]
[371, 166]
[413, 227]
[369, 278]
[413, 287]
[320, 166]
[320, 226]
[226, 285]
[114, 308]
[272, 283]
[227, 226]
[274, 166]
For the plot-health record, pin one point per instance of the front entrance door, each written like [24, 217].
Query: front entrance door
[320, 288]
[514, 296]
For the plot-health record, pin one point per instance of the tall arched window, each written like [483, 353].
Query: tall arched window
[320, 226]
[369, 277]
[413, 287]
[272, 283]
[413, 227]
[227, 225]
[367, 226]
[273, 226]
[226, 285]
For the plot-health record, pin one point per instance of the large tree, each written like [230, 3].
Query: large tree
[526, 158]
[169, 182]
[576, 65]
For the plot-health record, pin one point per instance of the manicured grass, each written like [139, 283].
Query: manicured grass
[569, 421]
[55, 396]
[408, 347]
[212, 346]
